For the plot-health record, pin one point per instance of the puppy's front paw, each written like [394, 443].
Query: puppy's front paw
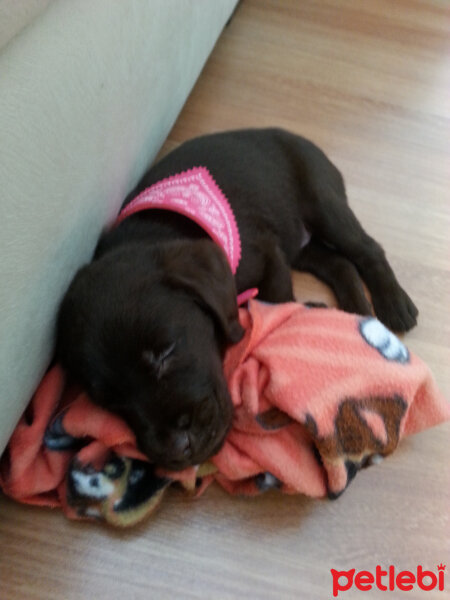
[395, 309]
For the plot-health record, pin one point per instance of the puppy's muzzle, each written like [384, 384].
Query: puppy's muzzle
[179, 446]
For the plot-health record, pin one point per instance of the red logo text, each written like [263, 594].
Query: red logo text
[388, 580]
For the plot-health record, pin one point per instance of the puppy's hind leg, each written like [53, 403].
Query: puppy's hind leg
[337, 272]
[332, 221]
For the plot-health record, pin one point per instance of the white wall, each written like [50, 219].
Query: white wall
[88, 92]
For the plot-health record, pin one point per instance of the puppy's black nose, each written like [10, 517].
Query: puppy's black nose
[180, 445]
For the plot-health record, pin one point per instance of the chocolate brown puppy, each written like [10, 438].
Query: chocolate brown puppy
[144, 326]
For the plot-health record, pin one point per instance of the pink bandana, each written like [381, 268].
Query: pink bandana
[196, 195]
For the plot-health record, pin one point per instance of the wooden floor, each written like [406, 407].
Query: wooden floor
[369, 82]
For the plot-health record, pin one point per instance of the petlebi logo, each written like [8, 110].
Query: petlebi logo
[389, 580]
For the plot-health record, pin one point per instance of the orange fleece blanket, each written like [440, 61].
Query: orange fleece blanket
[318, 394]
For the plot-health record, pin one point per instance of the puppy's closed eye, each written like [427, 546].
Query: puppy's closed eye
[159, 362]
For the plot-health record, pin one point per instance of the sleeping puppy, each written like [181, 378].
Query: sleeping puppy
[144, 327]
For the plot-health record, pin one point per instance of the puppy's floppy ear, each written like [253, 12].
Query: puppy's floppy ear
[201, 267]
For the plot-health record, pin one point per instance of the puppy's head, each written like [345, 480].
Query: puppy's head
[144, 329]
